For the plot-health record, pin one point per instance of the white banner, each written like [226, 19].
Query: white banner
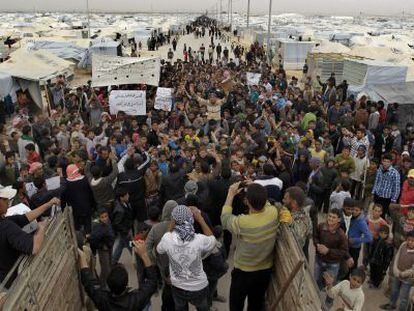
[115, 70]
[253, 78]
[133, 103]
[163, 99]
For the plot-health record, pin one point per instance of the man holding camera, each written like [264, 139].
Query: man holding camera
[253, 258]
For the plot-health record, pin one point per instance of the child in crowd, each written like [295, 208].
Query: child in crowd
[102, 240]
[348, 294]
[358, 232]
[380, 256]
[32, 155]
[375, 222]
[403, 275]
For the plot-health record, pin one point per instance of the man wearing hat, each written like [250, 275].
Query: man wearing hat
[13, 240]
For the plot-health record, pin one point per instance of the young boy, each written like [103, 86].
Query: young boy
[380, 256]
[122, 222]
[347, 294]
[358, 232]
[375, 222]
[32, 155]
[403, 272]
[102, 240]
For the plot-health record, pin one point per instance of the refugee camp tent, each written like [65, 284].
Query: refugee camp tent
[7, 87]
[106, 46]
[31, 69]
[65, 50]
[401, 93]
[292, 53]
[361, 73]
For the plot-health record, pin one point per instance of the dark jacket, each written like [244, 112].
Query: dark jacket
[133, 181]
[381, 253]
[172, 186]
[43, 196]
[337, 243]
[102, 236]
[217, 189]
[78, 194]
[131, 300]
[122, 218]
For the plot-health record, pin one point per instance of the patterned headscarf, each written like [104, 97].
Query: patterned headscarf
[184, 222]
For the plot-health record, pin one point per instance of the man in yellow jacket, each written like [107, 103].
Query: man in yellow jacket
[255, 235]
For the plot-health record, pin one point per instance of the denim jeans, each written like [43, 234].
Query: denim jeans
[197, 298]
[321, 267]
[123, 242]
[400, 289]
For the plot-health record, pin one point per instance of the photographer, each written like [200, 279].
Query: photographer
[253, 258]
[119, 296]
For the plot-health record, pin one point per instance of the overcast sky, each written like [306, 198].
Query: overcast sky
[339, 7]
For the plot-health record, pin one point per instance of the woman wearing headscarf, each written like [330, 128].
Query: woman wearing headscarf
[185, 250]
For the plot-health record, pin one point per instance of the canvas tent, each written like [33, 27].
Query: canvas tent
[401, 93]
[361, 73]
[65, 50]
[31, 69]
[106, 46]
[292, 54]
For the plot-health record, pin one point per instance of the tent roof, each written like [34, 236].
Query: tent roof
[402, 93]
[35, 65]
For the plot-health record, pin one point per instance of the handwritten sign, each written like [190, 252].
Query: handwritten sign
[133, 103]
[163, 99]
[114, 70]
[253, 78]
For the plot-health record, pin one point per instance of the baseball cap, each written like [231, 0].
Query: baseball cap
[7, 192]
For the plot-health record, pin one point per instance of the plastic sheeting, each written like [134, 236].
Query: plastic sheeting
[65, 50]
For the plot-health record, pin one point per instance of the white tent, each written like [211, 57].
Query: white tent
[292, 54]
[362, 73]
[31, 69]
[105, 46]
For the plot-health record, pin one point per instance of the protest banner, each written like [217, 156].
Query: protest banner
[115, 70]
[253, 78]
[133, 103]
[163, 99]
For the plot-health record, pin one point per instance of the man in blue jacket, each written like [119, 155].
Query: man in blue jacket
[358, 232]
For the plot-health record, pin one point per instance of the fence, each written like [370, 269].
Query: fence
[49, 280]
[292, 286]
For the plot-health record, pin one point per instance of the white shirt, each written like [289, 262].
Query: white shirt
[343, 292]
[185, 259]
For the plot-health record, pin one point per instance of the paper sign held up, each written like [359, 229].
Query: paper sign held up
[163, 99]
[133, 103]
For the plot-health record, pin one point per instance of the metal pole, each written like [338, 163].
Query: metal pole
[228, 12]
[269, 26]
[221, 9]
[248, 14]
[89, 23]
[231, 14]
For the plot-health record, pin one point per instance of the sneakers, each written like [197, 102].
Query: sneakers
[387, 307]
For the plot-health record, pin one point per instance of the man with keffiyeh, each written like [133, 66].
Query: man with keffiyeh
[186, 250]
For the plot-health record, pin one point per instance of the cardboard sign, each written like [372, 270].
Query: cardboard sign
[133, 103]
[163, 99]
[253, 78]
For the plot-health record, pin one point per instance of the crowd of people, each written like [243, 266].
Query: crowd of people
[230, 163]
